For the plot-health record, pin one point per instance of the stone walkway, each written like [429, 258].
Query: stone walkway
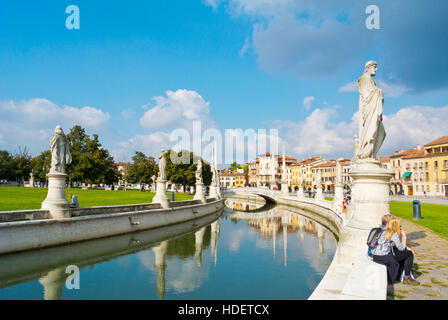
[430, 266]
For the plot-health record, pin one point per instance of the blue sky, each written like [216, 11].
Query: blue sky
[229, 63]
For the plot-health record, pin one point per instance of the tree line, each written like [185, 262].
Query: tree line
[93, 164]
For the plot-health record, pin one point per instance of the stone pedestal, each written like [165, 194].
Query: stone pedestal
[370, 201]
[55, 201]
[285, 188]
[161, 196]
[215, 192]
[199, 195]
[338, 197]
[300, 194]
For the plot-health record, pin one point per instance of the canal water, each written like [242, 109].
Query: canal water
[262, 253]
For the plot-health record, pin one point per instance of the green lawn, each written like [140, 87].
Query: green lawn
[20, 198]
[434, 216]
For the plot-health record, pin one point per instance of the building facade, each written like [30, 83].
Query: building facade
[436, 167]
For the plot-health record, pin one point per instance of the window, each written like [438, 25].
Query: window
[436, 164]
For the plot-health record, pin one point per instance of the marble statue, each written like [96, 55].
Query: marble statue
[319, 179]
[214, 177]
[60, 154]
[371, 129]
[162, 165]
[301, 181]
[153, 178]
[199, 172]
[338, 172]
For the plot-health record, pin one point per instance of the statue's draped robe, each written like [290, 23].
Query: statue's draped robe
[60, 154]
[162, 166]
[199, 173]
[371, 129]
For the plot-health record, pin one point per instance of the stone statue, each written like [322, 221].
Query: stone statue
[214, 177]
[338, 172]
[199, 172]
[162, 165]
[153, 178]
[301, 181]
[371, 129]
[319, 179]
[60, 154]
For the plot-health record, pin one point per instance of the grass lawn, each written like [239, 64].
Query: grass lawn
[434, 216]
[20, 198]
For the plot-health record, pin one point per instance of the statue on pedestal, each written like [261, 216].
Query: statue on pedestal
[55, 201]
[338, 171]
[199, 173]
[162, 165]
[371, 129]
[60, 154]
[319, 179]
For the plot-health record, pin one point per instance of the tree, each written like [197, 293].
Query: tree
[141, 169]
[6, 170]
[185, 173]
[246, 167]
[234, 166]
[90, 162]
[21, 165]
[41, 166]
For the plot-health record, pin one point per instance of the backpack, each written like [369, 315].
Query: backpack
[374, 235]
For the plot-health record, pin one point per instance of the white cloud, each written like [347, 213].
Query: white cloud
[392, 90]
[318, 135]
[149, 144]
[177, 110]
[349, 87]
[307, 102]
[31, 122]
[414, 125]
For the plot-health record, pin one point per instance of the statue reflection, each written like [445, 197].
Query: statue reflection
[320, 238]
[214, 240]
[52, 283]
[199, 239]
[160, 266]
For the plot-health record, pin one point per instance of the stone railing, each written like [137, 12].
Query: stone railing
[33, 229]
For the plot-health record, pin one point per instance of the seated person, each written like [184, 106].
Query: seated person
[74, 204]
[384, 253]
[384, 220]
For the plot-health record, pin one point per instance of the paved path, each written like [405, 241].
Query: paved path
[430, 265]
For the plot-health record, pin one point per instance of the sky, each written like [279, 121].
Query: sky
[140, 73]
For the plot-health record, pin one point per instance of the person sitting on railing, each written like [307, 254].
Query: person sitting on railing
[74, 201]
[385, 254]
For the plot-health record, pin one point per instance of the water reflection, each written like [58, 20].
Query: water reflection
[181, 261]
